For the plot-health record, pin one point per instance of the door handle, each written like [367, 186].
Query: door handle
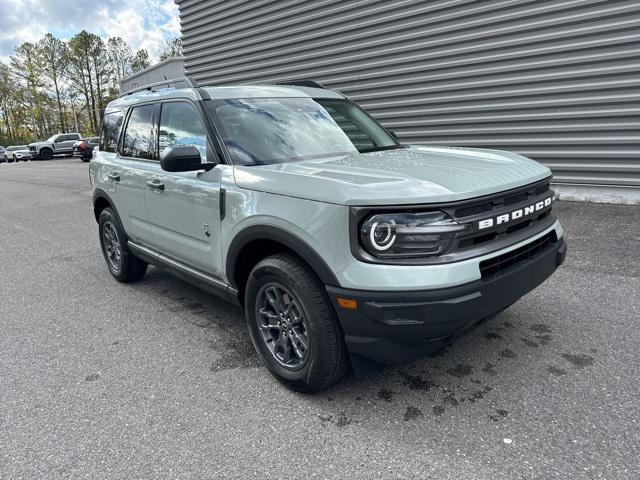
[155, 184]
[114, 176]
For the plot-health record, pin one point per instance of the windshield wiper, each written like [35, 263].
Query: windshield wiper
[379, 149]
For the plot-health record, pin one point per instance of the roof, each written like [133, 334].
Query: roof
[223, 93]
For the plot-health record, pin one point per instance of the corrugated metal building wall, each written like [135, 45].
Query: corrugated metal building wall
[170, 68]
[558, 81]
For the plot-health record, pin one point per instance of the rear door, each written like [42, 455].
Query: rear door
[65, 143]
[184, 207]
[130, 170]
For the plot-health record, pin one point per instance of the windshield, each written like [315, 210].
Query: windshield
[262, 131]
[52, 139]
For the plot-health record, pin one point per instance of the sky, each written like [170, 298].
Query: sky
[142, 23]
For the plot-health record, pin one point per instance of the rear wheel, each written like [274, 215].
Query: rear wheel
[122, 264]
[292, 325]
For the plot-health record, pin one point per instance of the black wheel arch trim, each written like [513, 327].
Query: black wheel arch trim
[288, 239]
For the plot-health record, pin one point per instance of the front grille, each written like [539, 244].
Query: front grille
[499, 204]
[499, 264]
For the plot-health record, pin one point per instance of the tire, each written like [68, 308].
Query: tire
[123, 265]
[308, 315]
[86, 159]
[46, 154]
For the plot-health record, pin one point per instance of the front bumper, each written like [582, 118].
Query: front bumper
[396, 327]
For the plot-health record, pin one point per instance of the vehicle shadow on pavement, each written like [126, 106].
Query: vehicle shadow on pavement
[464, 375]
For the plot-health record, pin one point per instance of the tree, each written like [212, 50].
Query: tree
[171, 48]
[140, 61]
[54, 60]
[89, 70]
[120, 57]
[27, 64]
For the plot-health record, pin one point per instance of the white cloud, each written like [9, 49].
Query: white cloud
[142, 23]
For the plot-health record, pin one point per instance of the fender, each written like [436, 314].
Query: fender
[100, 194]
[291, 241]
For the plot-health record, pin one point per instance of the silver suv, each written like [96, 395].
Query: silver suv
[344, 246]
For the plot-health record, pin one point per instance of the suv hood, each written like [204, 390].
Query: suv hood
[404, 176]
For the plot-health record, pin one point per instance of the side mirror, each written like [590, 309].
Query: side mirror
[183, 158]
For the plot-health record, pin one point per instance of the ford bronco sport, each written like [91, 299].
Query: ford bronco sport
[343, 246]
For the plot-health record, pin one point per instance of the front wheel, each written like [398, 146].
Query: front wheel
[46, 154]
[292, 325]
[122, 264]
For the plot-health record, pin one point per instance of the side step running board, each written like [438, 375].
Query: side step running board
[188, 274]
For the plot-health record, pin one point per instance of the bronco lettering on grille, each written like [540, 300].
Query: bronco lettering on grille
[515, 214]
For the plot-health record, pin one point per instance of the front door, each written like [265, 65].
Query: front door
[183, 208]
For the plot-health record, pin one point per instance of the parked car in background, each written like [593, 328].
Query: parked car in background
[83, 149]
[3, 157]
[62, 143]
[15, 153]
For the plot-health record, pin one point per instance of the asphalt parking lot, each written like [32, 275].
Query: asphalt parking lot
[159, 379]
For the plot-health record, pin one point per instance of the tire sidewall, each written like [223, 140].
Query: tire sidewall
[107, 215]
[267, 272]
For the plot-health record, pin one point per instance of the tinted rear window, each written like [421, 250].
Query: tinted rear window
[111, 128]
[137, 135]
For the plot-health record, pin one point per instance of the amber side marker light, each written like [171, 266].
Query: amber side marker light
[348, 303]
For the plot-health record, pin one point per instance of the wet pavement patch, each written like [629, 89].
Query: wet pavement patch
[578, 361]
[492, 335]
[489, 369]
[451, 400]
[385, 394]
[540, 328]
[544, 339]
[529, 343]
[506, 353]
[438, 410]
[556, 371]
[92, 377]
[416, 382]
[412, 413]
[236, 355]
[460, 371]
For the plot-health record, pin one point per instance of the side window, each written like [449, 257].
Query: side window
[111, 126]
[180, 124]
[137, 135]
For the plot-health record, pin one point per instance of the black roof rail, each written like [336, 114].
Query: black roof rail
[303, 83]
[166, 83]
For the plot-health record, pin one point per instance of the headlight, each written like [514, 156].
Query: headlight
[406, 235]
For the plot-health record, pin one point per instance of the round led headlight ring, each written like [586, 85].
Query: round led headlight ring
[382, 235]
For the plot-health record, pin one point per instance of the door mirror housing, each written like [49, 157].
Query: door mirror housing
[183, 158]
